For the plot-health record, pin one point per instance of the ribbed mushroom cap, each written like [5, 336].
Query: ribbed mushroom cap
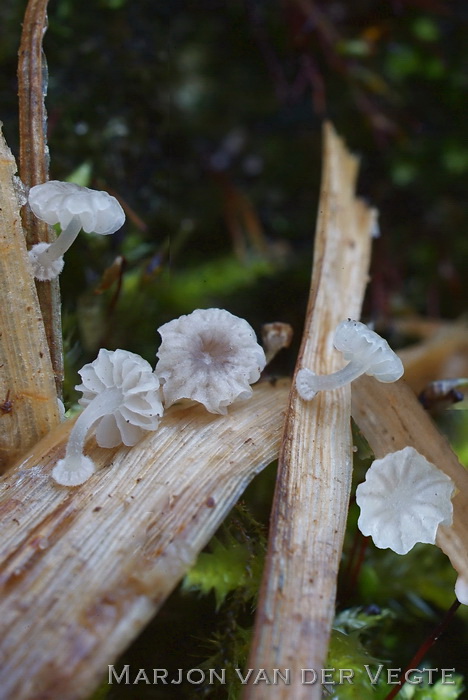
[58, 202]
[209, 356]
[140, 408]
[358, 343]
[403, 501]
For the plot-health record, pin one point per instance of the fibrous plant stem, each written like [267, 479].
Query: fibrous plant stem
[297, 601]
[34, 163]
[28, 401]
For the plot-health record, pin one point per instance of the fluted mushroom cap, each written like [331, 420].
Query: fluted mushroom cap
[209, 356]
[140, 408]
[58, 202]
[403, 501]
[358, 343]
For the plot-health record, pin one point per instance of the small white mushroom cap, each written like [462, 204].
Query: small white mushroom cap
[209, 356]
[58, 202]
[358, 343]
[141, 399]
[461, 590]
[403, 501]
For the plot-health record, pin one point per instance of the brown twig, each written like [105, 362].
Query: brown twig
[424, 648]
[34, 163]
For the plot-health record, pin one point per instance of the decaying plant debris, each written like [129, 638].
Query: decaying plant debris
[34, 162]
[297, 602]
[83, 570]
[28, 400]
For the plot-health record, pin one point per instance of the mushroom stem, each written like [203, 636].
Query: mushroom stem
[102, 404]
[75, 468]
[60, 246]
[308, 383]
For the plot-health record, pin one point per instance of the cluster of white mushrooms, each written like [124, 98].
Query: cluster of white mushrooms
[405, 498]
[212, 357]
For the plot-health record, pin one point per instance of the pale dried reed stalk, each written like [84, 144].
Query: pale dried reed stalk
[84, 569]
[297, 602]
[28, 401]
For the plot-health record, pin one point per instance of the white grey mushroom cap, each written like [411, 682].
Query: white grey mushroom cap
[461, 590]
[58, 202]
[358, 343]
[140, 405]
[209, 356]
[403, 501]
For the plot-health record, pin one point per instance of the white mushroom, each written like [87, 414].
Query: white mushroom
[121, 393]
[403, 501]
[209, 356]
[74, 208]
[367, 353]
[461, 590]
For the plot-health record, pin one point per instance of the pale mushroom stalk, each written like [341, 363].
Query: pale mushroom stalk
[104, 403]
[75, 463]
[326, 382]
[367, 353]
[61, 244]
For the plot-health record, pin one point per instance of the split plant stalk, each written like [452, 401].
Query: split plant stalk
[83, 570]
[297, 602]
[28, 401]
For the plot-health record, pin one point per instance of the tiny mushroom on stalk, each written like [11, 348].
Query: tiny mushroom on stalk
[403, 501]
[74, 208]
[366, 352]
[209, 356]
[121, 394]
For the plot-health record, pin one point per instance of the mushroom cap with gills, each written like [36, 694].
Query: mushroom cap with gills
[358, 343]
[58, 202]
[209, 356]
[140, 407]
[403, 501]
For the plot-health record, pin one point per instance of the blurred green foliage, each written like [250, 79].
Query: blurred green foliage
[204, 118]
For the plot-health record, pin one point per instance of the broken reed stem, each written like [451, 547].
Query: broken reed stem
[297, 601]
[83, 570]
[34, 163]
[28, 401]
[391, 417]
